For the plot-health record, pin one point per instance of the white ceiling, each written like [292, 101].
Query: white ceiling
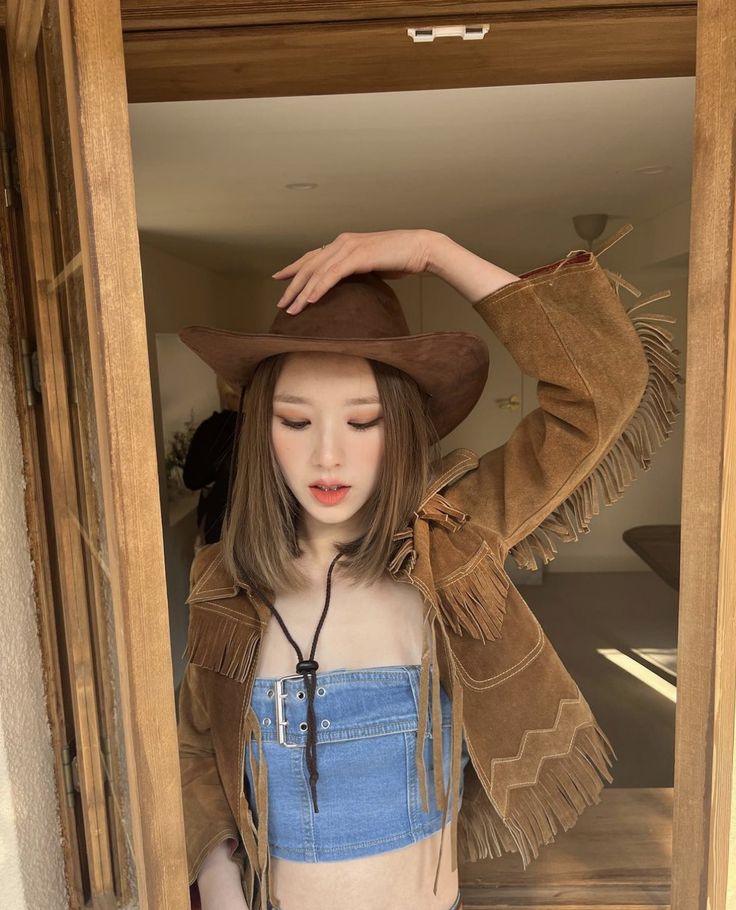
[502, 170]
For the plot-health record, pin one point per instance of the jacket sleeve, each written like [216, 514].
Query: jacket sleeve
[606, 391]
[208, 819]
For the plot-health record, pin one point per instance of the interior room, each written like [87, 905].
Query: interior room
[228, 191]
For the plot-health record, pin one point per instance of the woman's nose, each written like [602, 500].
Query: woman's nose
[328, 450]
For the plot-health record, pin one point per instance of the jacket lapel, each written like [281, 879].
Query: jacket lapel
[457, 567]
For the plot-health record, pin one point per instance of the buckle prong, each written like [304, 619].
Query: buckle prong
[281, 722]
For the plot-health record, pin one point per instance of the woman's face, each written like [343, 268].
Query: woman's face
[327, 427]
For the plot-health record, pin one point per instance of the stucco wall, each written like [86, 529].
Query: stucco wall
[31, 861]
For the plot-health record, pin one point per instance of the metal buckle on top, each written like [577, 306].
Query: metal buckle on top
[281, 722]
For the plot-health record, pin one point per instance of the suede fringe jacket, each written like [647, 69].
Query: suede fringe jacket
[607, 391]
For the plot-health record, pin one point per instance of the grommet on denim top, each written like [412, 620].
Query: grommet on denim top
[367, 722]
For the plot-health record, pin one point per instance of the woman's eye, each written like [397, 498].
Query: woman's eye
[293, 425]
[365, 426]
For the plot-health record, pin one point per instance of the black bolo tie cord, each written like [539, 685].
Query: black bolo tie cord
[308, 669]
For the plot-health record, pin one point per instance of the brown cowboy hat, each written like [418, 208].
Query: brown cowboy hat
[360, 315]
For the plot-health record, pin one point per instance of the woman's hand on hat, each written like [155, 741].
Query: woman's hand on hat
[390, 254]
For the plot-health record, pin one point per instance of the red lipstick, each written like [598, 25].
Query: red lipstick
[329, 497]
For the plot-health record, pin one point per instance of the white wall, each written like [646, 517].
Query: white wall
[176, 294]
[31, 860]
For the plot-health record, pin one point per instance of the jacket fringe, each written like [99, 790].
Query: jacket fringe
[446, 797]
[564, 786]
[482, 833]
[648, 428]
[474, 596]
[219, 642]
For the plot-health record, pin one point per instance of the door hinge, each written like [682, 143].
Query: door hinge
[11, 177]
[31, 374]
[70, 765]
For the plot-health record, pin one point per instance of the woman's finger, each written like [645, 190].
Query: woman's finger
[347, 259]
[296, 284]
[294, 266]
[318, 283]
[304, 267]
[314, 265]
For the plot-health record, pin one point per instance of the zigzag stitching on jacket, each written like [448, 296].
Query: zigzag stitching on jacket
[648, 427]
[499, 678]
[516, 831]
[539, 731]
[526, 821]
[563, 787]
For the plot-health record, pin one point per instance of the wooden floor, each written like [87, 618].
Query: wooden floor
[617, 855]
[619, 852]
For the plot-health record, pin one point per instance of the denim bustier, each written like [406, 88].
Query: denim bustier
[368, 792]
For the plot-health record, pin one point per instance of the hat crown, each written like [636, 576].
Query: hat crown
[358, 306]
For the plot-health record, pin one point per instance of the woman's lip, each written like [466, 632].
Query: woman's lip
[329, 497]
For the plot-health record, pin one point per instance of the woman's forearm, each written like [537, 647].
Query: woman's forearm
[219, 882]
[470, 275]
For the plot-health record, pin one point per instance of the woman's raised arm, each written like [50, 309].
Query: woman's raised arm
[606, 391]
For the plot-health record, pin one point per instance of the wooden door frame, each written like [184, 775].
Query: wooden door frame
[91, 34]
[703, 832]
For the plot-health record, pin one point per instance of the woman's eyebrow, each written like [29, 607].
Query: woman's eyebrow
[296, 399]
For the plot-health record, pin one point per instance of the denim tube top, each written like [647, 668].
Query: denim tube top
[368, 792]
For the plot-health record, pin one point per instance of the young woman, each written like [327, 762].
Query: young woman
[331, 655]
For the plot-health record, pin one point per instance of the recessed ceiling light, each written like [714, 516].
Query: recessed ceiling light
[653, 169]
[301, 186]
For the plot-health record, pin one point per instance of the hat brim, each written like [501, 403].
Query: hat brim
[451, 367]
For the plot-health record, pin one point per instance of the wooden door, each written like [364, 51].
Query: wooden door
[99, 540]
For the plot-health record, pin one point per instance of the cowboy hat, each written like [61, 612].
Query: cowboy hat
[360, 315]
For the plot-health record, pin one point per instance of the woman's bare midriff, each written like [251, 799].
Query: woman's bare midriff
[374, 626]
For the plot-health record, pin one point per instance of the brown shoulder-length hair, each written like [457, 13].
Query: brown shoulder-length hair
[259, 535]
